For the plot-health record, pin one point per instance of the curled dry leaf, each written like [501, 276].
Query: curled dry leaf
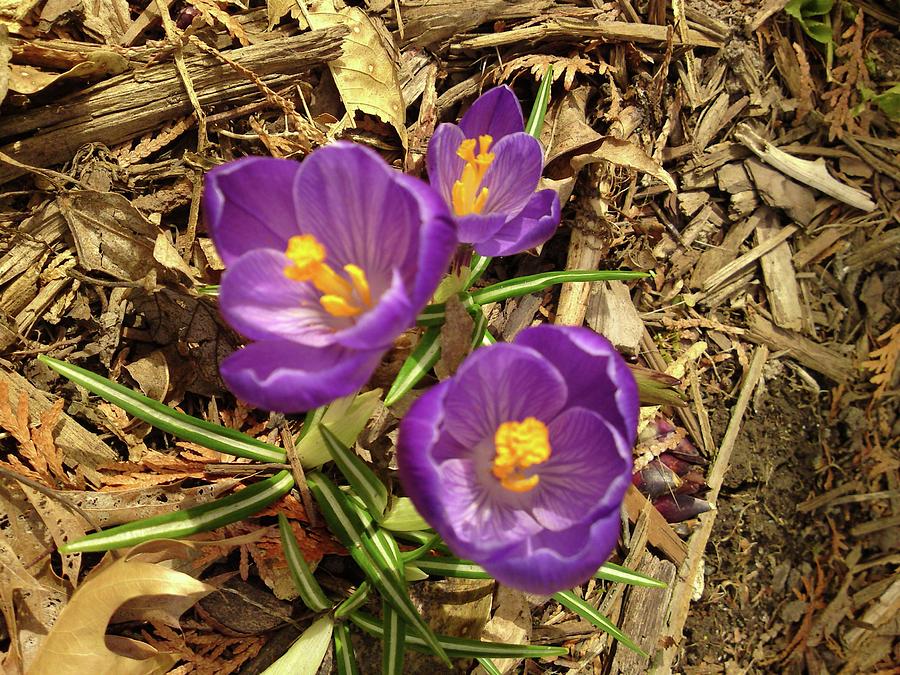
[5, 55]
[366, 73]
[78, 643]
[25, 79]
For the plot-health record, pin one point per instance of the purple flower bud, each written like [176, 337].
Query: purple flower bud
[656, 479]
[678, 508]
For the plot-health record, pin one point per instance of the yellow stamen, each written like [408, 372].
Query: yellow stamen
[466, 196]
[519, 445]
[340, 297]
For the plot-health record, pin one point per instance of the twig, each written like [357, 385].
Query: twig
[299, 477]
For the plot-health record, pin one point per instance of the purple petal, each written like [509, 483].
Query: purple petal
[498, 384]
[514, 174]
[478, 227]
[437, 239]
[287, 377]
[377, 328]
[474, 522]
[259, 302]
[496, 112]
[588, 471]
[248, 204]
[554, 561]
[444, 165]
[420, 430]
[534, 225]
[351, 201]
[596, 375]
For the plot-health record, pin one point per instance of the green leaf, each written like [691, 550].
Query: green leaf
[889, 102]
[432, 315]
[310, 591]
[344, 658]
[372, 552]
[190, 521]
[623, 575]
[307, 652]
[355, 601]
[584, 610]
[394, 641]
[403, 517]
[489, 666]
[513, 288]
[460, 648]
[539, 110]
[416, 366]
[477, 267]
[346, 417]
[479, 330]
[361, 478]
[212, 436]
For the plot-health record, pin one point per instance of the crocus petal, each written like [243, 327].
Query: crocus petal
[474, 522]
[378, 327]
[288, 377]
[496, 112]
[552, 561]
[442, 161]
[588, 470]
[597, 376]
[262, 304]
[437, 239]
[534, 225]
[501, 384]
[350, 200]
[248, 204]
[514, 174]
[479, 227]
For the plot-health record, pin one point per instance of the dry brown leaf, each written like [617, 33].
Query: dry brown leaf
[5, 56]
[25, 79]
[883, 361]
[211, 13]
[151, 373]
[567, 66]
[63, 525]
[276, 9]
[77, 642]
[456, 338]
[366, 73]
[110, 235]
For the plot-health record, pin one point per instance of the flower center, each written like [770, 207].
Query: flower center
[467, 198]
[340, 296]
[519, 445]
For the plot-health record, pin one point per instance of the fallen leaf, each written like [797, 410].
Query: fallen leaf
[366, 73]
[276, 9]
[151, 373]
[5, 56]
[456, 338]
[25, 79]
[510, 623]
[77, 642]
[110, 235]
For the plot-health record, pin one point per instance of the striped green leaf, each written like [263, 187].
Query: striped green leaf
[371, 552]
[623, 575]
[513, 288]
[355, 601]
[190, 521]
[403, 517]
[361, 478]
[477, 267]
[489, 666]
[344, 658]
[307, 652]
[310, 591]
[585, 611]
[346, 418]
[412, 556]
[185, 427]
[432, 315]
[454, 567]
[460, 648]
[539, 109]
[416, 366]
[207, 289]
[394, 641]
[479, 330]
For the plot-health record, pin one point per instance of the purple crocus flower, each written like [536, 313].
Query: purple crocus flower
[521, 460]
[327, 261]
[487, 169]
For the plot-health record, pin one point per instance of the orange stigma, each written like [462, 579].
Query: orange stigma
[340, 296]
[467, 197]
[519, 445]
